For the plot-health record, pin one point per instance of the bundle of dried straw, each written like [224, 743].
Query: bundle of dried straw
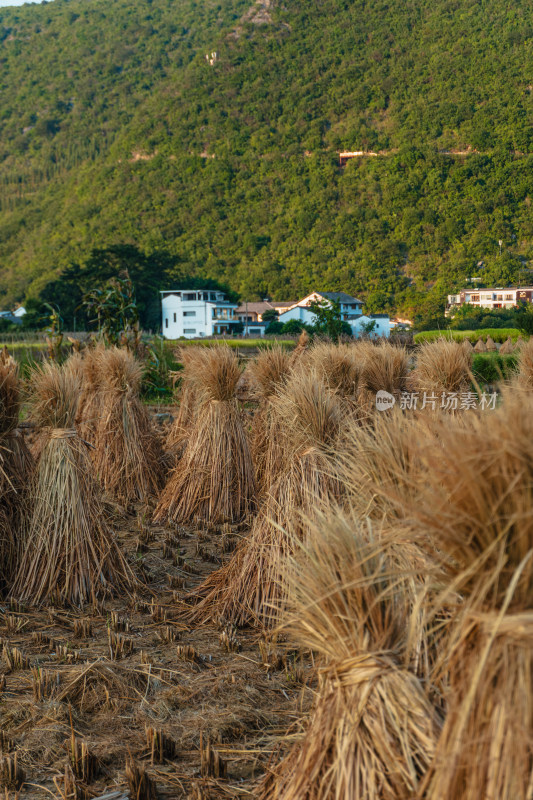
[372, 730]
[68, 551]
[248, 588]
[128, 452]
[214, 481]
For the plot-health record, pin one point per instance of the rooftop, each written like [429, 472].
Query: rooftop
[340, 297]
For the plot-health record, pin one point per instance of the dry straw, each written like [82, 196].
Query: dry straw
[214, 481]
[473, 512]
[269, 371]
[372, 730]
[249, 588]
[525, 365]
[16, 464]
[188, 403]
[128, 453]
[385, 368]
[89, 406]
[507, 347]
[68, 551]
[442, 366]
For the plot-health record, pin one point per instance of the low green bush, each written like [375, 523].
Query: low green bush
[498, 335]
[492, 367]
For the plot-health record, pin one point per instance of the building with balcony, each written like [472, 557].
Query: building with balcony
[193, 313]
[500, 297]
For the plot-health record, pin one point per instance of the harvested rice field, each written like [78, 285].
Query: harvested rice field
[311, 579]
[132, 679]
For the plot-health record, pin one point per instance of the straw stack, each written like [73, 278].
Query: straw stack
[372, 730]
[480, 346]
[127, 453]
[214, 481]
[474, 512]
[525, 365]
[491, 345]
[188, 404]
[441, 366]
[69, 554]
[16, 460]
[268, 372]
[89, 406]
[248, 588]
[385, 367]
[507, 347]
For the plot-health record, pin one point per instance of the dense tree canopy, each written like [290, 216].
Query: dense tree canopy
[118, 136]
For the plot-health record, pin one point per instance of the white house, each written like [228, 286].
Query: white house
[351, 310]
[301, 311]
[499, 297]
[193, 313]
[380, 329]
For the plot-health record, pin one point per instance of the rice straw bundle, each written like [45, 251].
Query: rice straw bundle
[300, 349]
[475, 509]
[249, 588]
[385, 368]
[88, 414]
[17, 461]
[380, 464]
[372, 730]
[468, 346]
[480, 346]
[525, 365]
[268, 372]
[184, 419]
[339, 366]
[127, 452]
[68, 551]
[442, 366]
[490, 344]
[507, 347]
[214, 481]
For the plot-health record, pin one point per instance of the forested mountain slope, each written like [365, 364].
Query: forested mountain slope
[116, 130]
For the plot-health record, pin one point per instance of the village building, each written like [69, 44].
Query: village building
[193, 313]
[500, 297]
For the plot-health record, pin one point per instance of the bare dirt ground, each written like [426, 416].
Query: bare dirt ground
[199, 709]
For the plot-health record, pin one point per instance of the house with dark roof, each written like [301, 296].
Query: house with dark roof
[351, 310]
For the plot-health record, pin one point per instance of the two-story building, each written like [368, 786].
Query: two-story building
[500, 297]
[193, 313]
[301, 310]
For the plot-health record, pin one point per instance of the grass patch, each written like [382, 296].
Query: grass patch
[498, 335]
[492, 367]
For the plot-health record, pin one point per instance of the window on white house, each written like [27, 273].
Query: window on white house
[212, 296]
[174, 316]
[189, 330]
[189, 313]
[166, 322]
[189, 297]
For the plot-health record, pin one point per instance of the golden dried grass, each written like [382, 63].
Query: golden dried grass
[473, 513]
[525, 365]
[214, 481]
[249, 588]
[372, 730]
[184, 419]
[385, 367]
[67, 549]
[441, 366]
[127, 453]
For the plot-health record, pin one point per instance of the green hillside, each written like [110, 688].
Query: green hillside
[116, 131]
